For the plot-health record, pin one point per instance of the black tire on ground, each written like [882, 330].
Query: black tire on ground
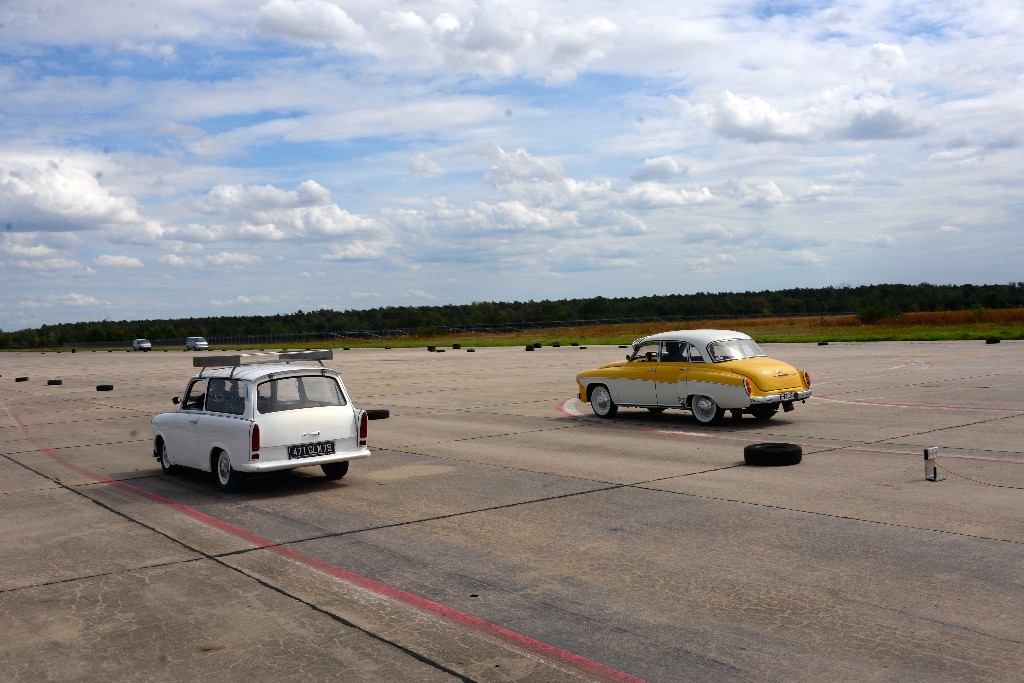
[104, 387]
[165, 462]
[772, 454]
[992, 340]
[55, 382]
[335, 470]
[228, 478]
[21, 379]
[378, 414]
[601, 401]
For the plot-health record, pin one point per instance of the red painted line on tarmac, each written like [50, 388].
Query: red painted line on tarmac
[536, 648]
[924, 406]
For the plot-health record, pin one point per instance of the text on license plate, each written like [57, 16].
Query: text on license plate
[311, 450]
[788, 396]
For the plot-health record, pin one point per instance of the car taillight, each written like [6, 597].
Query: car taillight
[363, 429]
[807, 379]
[746, 386]
[255, 446]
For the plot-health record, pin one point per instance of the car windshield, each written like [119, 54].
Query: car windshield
[733, 349]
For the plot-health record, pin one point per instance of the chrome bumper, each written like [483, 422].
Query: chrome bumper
[778, 398]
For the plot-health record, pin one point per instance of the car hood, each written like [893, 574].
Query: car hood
[616, 364]
[767, 373]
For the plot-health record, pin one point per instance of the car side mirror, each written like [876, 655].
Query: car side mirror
[176, 400]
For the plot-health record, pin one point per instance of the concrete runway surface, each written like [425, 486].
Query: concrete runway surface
[501, 532]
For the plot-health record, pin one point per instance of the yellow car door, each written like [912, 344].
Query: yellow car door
[637, 384]
[670, 375]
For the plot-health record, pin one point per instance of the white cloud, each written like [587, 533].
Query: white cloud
[43, 193]
[568, 147]
[314, 22]
[661, 168]
[117, 261]
[71, 299]
[423, 167]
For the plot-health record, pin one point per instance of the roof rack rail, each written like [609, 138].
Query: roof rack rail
[234, 360]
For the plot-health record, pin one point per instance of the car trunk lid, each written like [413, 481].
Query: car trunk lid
[769, 374]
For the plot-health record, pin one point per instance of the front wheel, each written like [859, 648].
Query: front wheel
[228, 479]
[335, 470]
[601, 401]
[165, 460]
[706, 410]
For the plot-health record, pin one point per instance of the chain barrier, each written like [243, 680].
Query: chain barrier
[978, 481]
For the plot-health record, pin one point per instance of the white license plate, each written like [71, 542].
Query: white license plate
[311, 450]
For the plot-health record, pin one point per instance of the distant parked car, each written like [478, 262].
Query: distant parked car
[196, 344]
[704, 371]
[141, 345]
[261, 412]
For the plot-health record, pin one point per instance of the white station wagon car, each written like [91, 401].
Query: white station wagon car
[705, 371]
[261, 412]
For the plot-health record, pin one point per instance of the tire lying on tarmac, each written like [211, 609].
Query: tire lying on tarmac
[772, 454]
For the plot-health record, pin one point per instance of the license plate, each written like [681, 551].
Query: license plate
[311, 450]
[788, 396]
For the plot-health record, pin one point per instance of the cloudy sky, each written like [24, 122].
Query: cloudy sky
[235, 157]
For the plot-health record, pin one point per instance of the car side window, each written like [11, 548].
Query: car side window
[646, 353]
[673, 352]
[196, 397]
[695, 356]
[226, 396]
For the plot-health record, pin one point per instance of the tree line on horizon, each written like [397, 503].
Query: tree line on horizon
[870, 302]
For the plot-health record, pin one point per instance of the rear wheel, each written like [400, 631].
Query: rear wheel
[228, 479]
[705, 410]
[764, 412]
[335, 470]
[601, 401]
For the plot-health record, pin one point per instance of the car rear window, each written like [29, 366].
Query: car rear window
[734, 349]
[293, 393]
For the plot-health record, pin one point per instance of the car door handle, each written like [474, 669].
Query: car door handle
[194, 422]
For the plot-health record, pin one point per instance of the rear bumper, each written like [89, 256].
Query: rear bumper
[277, 465]
[778, 398]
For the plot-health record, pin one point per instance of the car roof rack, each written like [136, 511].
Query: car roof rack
[234, 360]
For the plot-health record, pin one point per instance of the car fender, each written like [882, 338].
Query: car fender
[727, 396]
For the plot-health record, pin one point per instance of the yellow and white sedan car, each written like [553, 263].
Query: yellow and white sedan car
[704, 371]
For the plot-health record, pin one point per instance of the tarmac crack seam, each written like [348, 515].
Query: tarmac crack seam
[435, 518]
[833, 516]
[566, 662]
[644, 485]
[943, 429]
